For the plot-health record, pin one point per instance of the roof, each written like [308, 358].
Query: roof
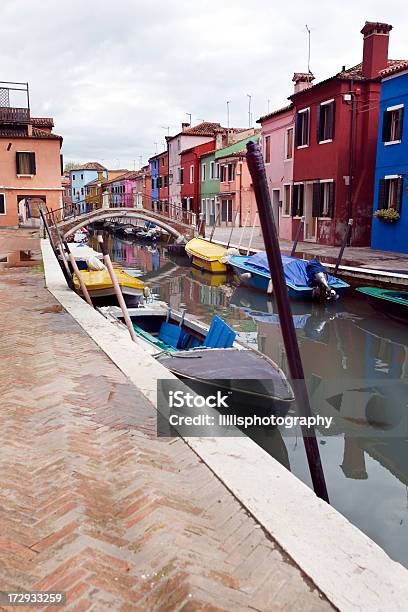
[398, 66]
[197, 146]
[205, 128]
[127, 176]
[355, 73]
[278, 111]
[238, 148]
[89, 166]
[37, 133]
[42, 121]
[157, 155]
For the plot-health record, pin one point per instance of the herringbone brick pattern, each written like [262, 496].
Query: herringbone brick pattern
[92, 503]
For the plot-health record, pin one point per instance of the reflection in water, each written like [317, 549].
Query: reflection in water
[366, 469]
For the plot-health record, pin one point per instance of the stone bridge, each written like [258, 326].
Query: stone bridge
[175, 220]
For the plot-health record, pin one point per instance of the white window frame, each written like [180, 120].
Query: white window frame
[287, 215]
[305, 110]
[5, 203]
[286, 158]
[390, 109]
[325, 103]
[203, 172]
[325, 195]
[217, 171]
[191, 174]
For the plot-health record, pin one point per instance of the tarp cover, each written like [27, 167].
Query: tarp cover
[294, 269]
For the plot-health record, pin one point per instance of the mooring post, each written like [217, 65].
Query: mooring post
[232, 227]
[299, 229]
[343, 245]
[118, 292]
[271, 240]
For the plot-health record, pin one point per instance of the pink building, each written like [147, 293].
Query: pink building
[122, 189]
[278, 128]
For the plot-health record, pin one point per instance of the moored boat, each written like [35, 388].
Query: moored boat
[207, 256]
[100, 286]
[83, 254]
[393, 303]
[304, 279]
[210, 357]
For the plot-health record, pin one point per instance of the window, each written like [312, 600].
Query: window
[178, 144]
[325, 121]
[226, 211]
[181, 176]
[73, 177]
[392, 124]
[390, 192]
[302, 128]
[203, 169]
[217, 171]
[166, 180]
[212, 170]
[297, 200]
[162, 161]
[286, 200]
[323, 199]
[289, 143]
[82, 191]
[231, 171]
[2, 204]
[152, 183]
[82, 177]
[73, 191]
[223, 173]
[267, 145]
[191, 174]
[25, 162]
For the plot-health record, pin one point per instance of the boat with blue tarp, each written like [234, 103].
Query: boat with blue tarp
[304, 279]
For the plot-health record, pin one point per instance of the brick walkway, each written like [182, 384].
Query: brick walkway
[353, 256]
[92, 503]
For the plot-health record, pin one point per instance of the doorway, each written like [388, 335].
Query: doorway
[310, 227]
[276, 206]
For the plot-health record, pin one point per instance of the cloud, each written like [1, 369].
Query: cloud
[112, 74]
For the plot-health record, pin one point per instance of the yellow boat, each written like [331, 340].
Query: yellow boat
[99, 284]
[207, 255]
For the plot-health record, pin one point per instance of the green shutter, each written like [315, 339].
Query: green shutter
[382, 194]
[399, 194]
[400, 122]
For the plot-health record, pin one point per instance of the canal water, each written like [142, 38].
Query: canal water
[366, 466]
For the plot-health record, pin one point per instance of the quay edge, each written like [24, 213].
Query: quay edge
[351, 570]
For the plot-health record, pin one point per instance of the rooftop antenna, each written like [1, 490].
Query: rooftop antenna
[249, 109]
[228, 103]
[189, 114]
[308, 49]
[155, 146]
[166, 127]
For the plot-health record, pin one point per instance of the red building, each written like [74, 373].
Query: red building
[163, 178]
[336, 123]
[190, 175]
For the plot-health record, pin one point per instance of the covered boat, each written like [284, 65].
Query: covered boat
[207, 256]
[304, 279]
[83, 254]
[100, 286]
[210, 357]
[392, 303]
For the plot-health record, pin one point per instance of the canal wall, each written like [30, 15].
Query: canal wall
[351, 570]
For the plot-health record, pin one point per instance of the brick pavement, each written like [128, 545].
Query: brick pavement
[92, 503]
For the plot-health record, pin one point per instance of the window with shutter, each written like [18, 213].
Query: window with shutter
[297, 200]
[325, 121]
[267, 146]
[302, 128]
[390, 192]
[25, 163]
[392, 125]
[317, 198]
[326, 207]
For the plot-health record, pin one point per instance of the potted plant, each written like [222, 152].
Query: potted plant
[388, 215]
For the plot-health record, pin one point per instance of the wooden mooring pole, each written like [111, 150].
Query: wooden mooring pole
[343, 245]
[257, 170]
[299, 229]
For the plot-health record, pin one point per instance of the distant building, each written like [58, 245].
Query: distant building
[336, 123]
[142, 189]
[190, 175]
[80, 177]
[30, 160]
[391, 182]
[121, 189]
[163, 179]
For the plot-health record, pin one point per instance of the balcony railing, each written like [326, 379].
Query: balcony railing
[14, 115]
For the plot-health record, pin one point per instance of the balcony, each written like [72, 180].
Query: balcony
[14, 115]
[14, 103]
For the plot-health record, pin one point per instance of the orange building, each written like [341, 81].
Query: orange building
[30, 161]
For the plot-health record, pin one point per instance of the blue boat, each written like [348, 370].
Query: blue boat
[304, 279]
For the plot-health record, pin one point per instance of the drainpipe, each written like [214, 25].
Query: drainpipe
[351, 156]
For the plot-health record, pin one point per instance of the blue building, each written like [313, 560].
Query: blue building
[80, 177]
[391, 175]
[154, 168]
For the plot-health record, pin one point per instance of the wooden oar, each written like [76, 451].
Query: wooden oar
[257, 170]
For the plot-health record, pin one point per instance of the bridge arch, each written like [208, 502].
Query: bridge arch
[172, 226]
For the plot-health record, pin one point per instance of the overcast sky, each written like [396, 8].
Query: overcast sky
[115, 74]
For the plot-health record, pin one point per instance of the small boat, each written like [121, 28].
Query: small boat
[393, 303]
[210, 357]
[304, 279]
[100, 286]
[207, 256]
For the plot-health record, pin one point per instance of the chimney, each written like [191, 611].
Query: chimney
[184, 126]
[302, 80]
[375, 48]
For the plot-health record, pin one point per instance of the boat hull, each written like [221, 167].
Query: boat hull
[214, 267]
[393, 304]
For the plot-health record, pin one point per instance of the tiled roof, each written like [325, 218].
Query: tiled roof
[37, 133]
[132, 174]
[157, 155]
[42, 121]
[7, 133]
[89, 166]
[205, 128]
[278, 111]
[397, 66]
[355, 73]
